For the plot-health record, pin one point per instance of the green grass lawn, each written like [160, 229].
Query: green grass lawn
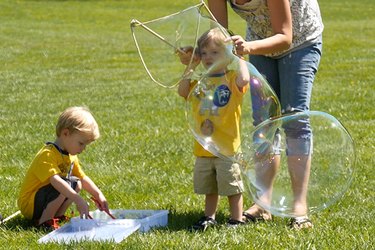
[56, 54]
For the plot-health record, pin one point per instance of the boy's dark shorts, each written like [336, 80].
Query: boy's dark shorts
[47, 194]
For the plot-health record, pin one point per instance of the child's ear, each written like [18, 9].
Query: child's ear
[65, 132]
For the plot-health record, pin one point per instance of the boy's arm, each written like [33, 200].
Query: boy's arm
[243, 75]
[65, 189]
[184, 88]
[90, 186]
[184, 84]
[185, 58]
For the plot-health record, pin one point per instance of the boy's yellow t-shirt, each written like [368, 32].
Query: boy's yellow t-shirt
[216, 111]
[49, 161]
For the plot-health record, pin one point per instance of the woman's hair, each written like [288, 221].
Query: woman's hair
[214, 35]
[78, 119]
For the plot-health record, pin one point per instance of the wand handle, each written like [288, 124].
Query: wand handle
[107, 212]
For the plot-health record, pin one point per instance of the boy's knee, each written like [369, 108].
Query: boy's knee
[78, 186]
[75, 183]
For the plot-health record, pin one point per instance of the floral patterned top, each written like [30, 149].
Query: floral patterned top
[306, 20]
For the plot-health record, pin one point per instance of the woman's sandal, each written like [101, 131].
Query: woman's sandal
[302, 222]
[259, 215]
[251, 218]
[259, 218]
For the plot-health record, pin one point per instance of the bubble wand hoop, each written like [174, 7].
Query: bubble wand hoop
[135, 23]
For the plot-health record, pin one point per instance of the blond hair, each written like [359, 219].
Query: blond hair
[78, 119]
[214, 35]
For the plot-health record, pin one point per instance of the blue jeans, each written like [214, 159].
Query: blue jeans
[292, 77]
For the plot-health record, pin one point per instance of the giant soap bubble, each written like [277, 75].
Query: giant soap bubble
[298, 161]
[218, 125]
[160, 43]
[270, 147]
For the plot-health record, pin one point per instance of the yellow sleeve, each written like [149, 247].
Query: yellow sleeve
[77, 170]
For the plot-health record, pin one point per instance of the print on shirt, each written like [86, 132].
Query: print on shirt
[210, 105]
[207, 106]
[207, 127]
[222, 96]
[63, 168]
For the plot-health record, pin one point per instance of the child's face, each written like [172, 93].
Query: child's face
[213, 54]
[74, 142]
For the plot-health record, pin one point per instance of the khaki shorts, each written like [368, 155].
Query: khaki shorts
[217, 176]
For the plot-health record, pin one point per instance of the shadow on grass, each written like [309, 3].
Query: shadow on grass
[18, 224]
[184, 221]
[177, 221]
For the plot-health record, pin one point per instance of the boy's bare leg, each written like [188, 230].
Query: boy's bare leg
[299, 169]
[50, 211]
[211, 205]
[61, 211]
[58, 206]
[235, 205]
[66, 204]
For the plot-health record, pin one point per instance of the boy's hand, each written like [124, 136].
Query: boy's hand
[83, 208]
[105, 209]
[65, 189]
[101, 203]
[186, 54]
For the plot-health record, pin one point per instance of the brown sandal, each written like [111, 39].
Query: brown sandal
[252, 218]
[259, 218]
[259, 214]
[302, 222]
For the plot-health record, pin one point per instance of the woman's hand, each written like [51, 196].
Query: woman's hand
[242, 47]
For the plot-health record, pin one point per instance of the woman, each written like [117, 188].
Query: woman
[284, 41]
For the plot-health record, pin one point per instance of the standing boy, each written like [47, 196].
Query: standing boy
[214, 176]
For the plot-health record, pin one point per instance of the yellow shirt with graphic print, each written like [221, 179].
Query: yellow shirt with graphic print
[216, 110]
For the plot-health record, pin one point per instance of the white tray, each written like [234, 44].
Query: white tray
[147, 218]
[92, 230]
[103, 228]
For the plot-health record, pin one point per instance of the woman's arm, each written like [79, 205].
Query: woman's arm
[220, 11]
[281, 22]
